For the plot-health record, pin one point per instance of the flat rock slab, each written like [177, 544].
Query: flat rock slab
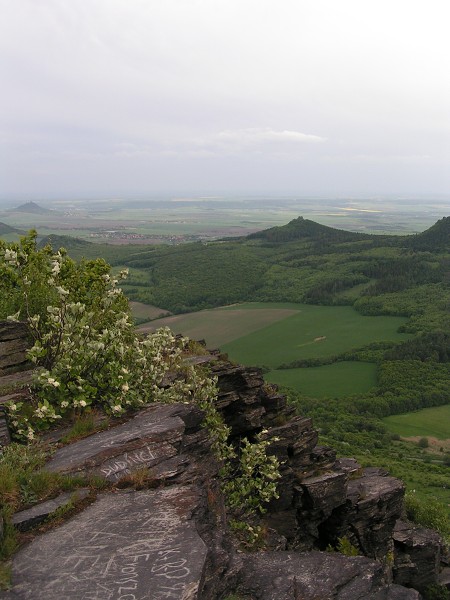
[15, 381]
[26, 519]
[152, 436]
[125, 546]
[317, 575]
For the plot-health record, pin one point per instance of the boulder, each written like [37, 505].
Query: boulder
[417, 556]
[367, 518]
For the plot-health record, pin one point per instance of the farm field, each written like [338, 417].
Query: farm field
[335, 380]
[145, 312]
[433, 422]
[222, 325]
[258, 333]
[269, 334]
[312, 332]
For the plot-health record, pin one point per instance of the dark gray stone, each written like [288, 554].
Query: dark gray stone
[11, 330]
[12, 353]
[350, 466]
[26, 519]
[444, 577]
[149, 438]
[5, 438]
[13, 346]
[374, 503]
[125, 546]
[324, 492]
[14, 381]
[417, 556]
[316, 576]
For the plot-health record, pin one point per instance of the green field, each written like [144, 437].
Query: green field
[259, 333]
[221, 325]
[312, 332]
[335, 380]
[271, 334]
[434, 422]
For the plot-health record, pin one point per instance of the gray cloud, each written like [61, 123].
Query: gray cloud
[250, 94]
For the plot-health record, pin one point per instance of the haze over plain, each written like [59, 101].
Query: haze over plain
[142, 96]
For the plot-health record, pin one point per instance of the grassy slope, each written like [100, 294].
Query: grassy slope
[429, 421]
[145, 311]
[335, 380]
[219, 326]
[299, 336]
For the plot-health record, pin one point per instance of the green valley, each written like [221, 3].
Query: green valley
[355, 327]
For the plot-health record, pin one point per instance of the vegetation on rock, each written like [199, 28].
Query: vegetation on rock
[87, 354]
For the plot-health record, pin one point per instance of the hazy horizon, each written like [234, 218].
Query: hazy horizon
[217, 195]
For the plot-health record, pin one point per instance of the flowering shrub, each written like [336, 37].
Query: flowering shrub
[85, 347]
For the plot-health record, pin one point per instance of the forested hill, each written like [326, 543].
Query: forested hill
[301, 228]
[300, 262]
[437, 237]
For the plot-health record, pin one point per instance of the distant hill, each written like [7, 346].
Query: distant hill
[4, 228]
[437, 237]
[301, 228]
[33, 208]
[72, 244]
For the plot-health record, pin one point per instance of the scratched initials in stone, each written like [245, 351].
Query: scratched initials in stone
[117, 468]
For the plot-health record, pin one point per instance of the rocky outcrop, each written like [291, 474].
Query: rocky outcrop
[417, 555]
[31, 517]
[373, 503]
[14, 373]
[321, 499]
[166, 440]
[13, 346]
[128, 545]
[317, 575]
[167, 538]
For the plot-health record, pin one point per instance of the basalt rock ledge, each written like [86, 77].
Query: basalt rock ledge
[170, 539]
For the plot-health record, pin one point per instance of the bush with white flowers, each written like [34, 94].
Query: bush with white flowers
[84, 344]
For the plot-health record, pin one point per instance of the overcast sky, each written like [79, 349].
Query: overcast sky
[304, 96]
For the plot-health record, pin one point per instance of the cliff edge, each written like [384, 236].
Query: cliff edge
[159, 529]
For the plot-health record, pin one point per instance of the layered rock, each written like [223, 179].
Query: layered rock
[13, 346]
[317, 575]
[321, 499]
[14, 373]
[126, 545]
[417, 555]
[171, 538]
